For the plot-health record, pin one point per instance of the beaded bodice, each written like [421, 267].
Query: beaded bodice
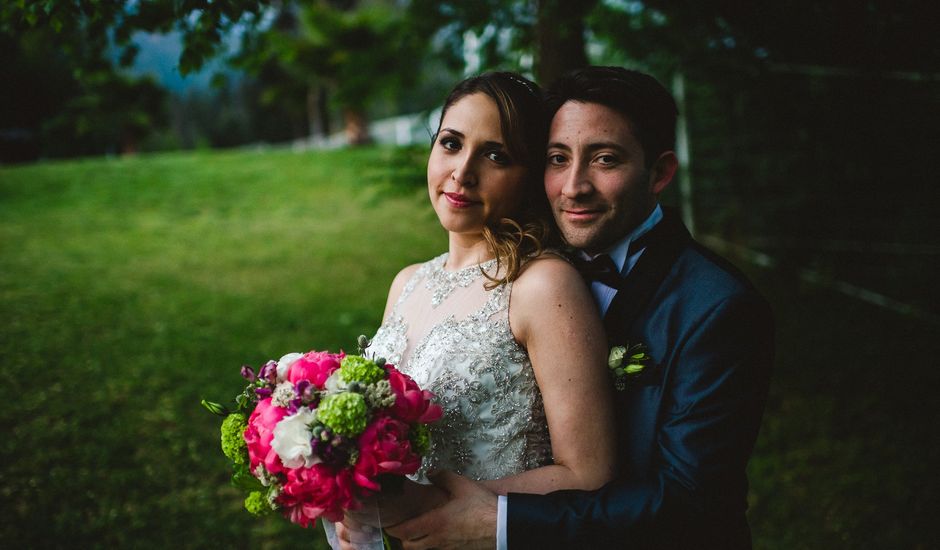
[452, 336]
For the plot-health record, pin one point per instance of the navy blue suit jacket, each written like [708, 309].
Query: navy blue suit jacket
[686, 425]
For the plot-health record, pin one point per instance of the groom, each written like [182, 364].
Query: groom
[688, 421]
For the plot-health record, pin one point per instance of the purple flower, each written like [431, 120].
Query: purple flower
[269, 372]
[248, 373]
[263, 393]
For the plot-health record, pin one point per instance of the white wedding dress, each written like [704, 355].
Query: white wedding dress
[452, 336]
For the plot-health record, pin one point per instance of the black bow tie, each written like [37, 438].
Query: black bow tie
[601, 269]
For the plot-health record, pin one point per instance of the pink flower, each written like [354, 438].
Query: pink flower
[318, 491]
[315, 366]
[260, 432]
[412, 404]
[384, 448]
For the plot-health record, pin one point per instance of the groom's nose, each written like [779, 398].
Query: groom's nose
[577, 182]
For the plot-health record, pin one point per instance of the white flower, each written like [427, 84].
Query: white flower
[284, 363]
[264, 477]
[335, 383]
[615, 359]
[292, 439]
[380, 394]
[283, 394]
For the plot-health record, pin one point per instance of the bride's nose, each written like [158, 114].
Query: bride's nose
[464, 173]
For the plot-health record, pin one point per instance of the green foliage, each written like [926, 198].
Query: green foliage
[243, 479]
[113, 113]
[138, 286]
[68, 97]
[504, 31]
[85, 27]
[354, 53]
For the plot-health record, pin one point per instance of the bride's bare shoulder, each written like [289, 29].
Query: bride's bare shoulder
[546, 277]
[547, 267]
[548, 296]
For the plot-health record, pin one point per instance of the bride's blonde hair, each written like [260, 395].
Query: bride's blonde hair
[524, 128]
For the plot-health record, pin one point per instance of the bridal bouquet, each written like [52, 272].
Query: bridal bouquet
[313, 434]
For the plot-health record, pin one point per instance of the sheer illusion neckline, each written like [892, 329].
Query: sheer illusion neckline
[484, 265]
[442, 282]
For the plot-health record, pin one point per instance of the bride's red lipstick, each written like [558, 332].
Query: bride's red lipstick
[459, 200]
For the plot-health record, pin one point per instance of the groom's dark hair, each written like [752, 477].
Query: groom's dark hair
[648, 107]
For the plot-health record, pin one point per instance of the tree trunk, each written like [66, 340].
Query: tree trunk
[683, 152]
[130, 143]
[318, 117]
[559, 31]
[357, 127]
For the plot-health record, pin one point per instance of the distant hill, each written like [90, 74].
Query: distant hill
[159, 56]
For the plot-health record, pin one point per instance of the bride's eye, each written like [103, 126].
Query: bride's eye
[450, 143]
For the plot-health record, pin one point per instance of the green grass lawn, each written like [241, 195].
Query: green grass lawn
[130, 289]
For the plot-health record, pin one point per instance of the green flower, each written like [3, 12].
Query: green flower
[344, 413]
[355, 368]
[257, 503]
[233, 440]
[420, 437]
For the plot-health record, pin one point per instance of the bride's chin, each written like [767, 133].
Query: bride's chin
[456, 227]
[456, 222]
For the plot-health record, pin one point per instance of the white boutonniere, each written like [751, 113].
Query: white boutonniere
[626, 362]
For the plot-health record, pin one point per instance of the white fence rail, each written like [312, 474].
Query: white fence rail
[415, 128]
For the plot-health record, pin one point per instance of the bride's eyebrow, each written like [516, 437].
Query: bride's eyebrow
[487, 144]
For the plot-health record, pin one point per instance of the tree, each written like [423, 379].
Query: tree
[67, 98]
[544, 38]
[351, 52]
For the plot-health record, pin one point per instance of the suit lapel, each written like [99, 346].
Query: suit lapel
[664, 243]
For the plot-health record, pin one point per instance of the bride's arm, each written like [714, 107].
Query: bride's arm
[552, 313]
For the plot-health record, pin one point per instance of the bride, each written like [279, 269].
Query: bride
[504, 332]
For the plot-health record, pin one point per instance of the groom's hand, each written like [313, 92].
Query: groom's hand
[466, 520]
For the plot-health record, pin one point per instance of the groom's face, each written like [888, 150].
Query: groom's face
[596, 177]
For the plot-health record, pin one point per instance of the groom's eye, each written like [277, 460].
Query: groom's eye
[499, 157]
[606, 160]
[556, 159]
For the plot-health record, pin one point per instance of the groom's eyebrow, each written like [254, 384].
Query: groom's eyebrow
[596, 146]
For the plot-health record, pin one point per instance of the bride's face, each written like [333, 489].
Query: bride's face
[472, 179]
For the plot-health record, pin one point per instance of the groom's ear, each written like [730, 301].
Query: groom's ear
[662, 172]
